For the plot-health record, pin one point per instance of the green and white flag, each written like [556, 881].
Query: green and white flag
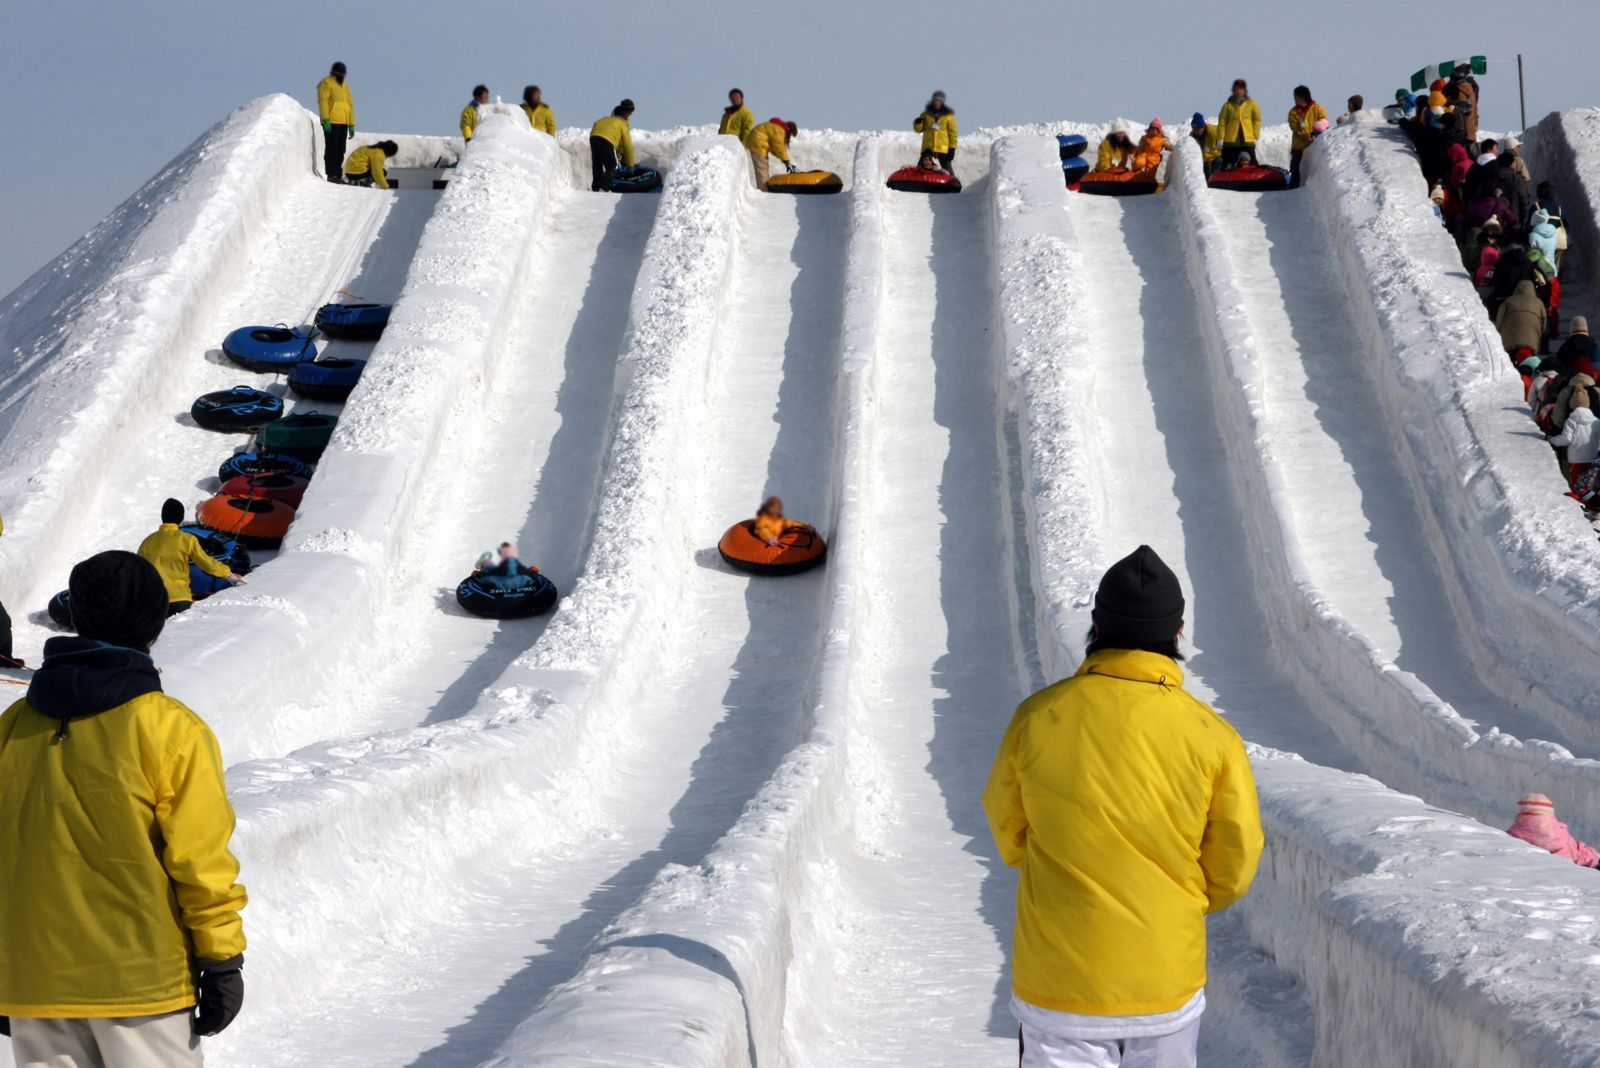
[1428, 75]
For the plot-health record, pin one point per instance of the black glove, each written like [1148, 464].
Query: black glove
[789, 165]
[5, 1026]
[221, 995]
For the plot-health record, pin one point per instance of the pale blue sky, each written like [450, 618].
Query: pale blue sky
[99, 94]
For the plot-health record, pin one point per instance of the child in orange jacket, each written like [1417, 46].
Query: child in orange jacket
[770, 524]
[1151, 145]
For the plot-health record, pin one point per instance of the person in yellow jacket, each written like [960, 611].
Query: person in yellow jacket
[469, 114]
[540, 117]
[1205, 135]
[737, 119]
[120, 936]
[1116, 151]
[338, 115]
[1129, 808]
[1303, 118]
[770, 523]
[1238, 124]
[937, 125]
[171, 551]
[6, 658]
[610, 141]
[770, 138]
[367, 165]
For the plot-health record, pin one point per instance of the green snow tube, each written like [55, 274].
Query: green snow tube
[303, 435]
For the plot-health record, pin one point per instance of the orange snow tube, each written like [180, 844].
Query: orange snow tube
[257, 522]
[796, 551]
[1119, 183]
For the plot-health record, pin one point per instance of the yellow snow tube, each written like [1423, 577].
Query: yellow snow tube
[805, 182]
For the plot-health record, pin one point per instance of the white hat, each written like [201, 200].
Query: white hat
[1119, 126]
[1512, 142]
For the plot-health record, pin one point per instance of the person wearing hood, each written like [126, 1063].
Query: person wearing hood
[1239, 124]
[367, 165]
[1303, 118]
[171, 551]
[737, 120]
[119, 897]
[1129, 809]
[1536, 824]
[1116, 151]
[338, 115]
[1352, 108]
[1542, 236]
[770, 138]
[1580, 436]
[469, 114]
[937, 125]
[1483, 252]
[1484, 173]
[611, 141]
[1147, 157]
[540, 117]
[1205, 135]
[1521, 320]
[1490, 204]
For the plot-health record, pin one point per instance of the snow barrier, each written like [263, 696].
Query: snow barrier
[1565, 148]
[696, 974]
[85, 342]
[381, 826]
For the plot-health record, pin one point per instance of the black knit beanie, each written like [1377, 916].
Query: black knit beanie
[118, 598]
[1139, 601]
[172, 511]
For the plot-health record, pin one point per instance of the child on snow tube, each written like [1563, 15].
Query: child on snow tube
[770, 524]
[1116, 151]
[1147, 157]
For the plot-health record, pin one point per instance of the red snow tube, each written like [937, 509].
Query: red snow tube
[796, 551]
[256, 522]
[286, 488]
[917, 180]
[1119, 183]
[1250, 178]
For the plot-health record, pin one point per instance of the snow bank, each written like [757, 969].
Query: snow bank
[360, 513]
[1565, 149]
[85, 342]
[697, 973]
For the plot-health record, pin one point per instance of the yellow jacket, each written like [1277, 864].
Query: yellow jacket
[769, 139]
[541, 117]
[1130, 809]
[1211, 147]
[1300, 122]
[173, 550]
[469, 120]
[771, 528]
[1240, 123]
[333, 102]
[369, 158]
[938, 131]
[738, 123]
[1114, 157]
[117, 871]
[616, 130]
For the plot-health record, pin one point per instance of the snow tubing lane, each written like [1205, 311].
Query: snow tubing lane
[1074, 169]
[269, 349]
[1119, 183]
[796, 551]
[222, 548]
[255, 522]
[262, 463]
[1251, 179]
[806, 182]
[917, 180]
[329, 380]
[353, 322]
[1072, 145]
[60, 610]
[636, 180]
[290, 489]
[506, 597]
[240, 409]
[303, 435]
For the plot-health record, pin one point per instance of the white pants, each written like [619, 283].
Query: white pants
[165, 1041]
[1177, 1050]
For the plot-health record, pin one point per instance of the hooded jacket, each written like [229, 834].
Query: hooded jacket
[1581, 435]
[369, 159]
[541, 117]
[1570, 398]
[1147, 157]
[1521, 319]
[114, 823]
[1130, 809]
[769, 138]
[172, 550]
[938, 130]
[333, 102]
[738, 122]
[1239, 121]
[1542, 235]
[1301, 121]
[1113, 156]
[1551, 835]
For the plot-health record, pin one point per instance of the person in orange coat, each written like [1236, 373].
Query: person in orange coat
[1154, 142]
[771, 524]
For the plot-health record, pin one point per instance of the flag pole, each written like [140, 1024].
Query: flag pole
[1522, 96]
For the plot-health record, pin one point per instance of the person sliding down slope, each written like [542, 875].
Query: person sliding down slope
[1116, 151]
[937, 125]
[770, 138]
[1129, 809]
[1148, 155]
[1536, 823]
[770, 524]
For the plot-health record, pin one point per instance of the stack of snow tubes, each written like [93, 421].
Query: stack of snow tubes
[1073, 164]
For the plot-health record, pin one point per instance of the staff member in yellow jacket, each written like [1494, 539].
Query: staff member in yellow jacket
[6, 659]
[610, 138]
[469, 114]
[1303, 117]
[737, 119]
[367, 165]
[1239, 124]
[937, 125]
[338, 121]
[1129, 808]
[770, 138]
[171, 551]
[539, 114]
[118, 888]
[1205, 135]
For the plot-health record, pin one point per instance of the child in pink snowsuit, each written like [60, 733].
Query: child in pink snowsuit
[1536, 823]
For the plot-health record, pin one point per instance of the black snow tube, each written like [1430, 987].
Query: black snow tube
[60, 610]
[636, 180]
[223, 548]
[329, 379]
[353, 322]
[237, 410]
[245, 464]
[500, 596]
[269, 349]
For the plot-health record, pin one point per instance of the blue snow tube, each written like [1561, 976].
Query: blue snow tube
[328, 379]
[238, 409]
[353, 322]
[636, 180]
[497, 595]
[1072, 145]
[203, 585]
[269, 349]
[1074, 169]
[263, 463]
[223, 548]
